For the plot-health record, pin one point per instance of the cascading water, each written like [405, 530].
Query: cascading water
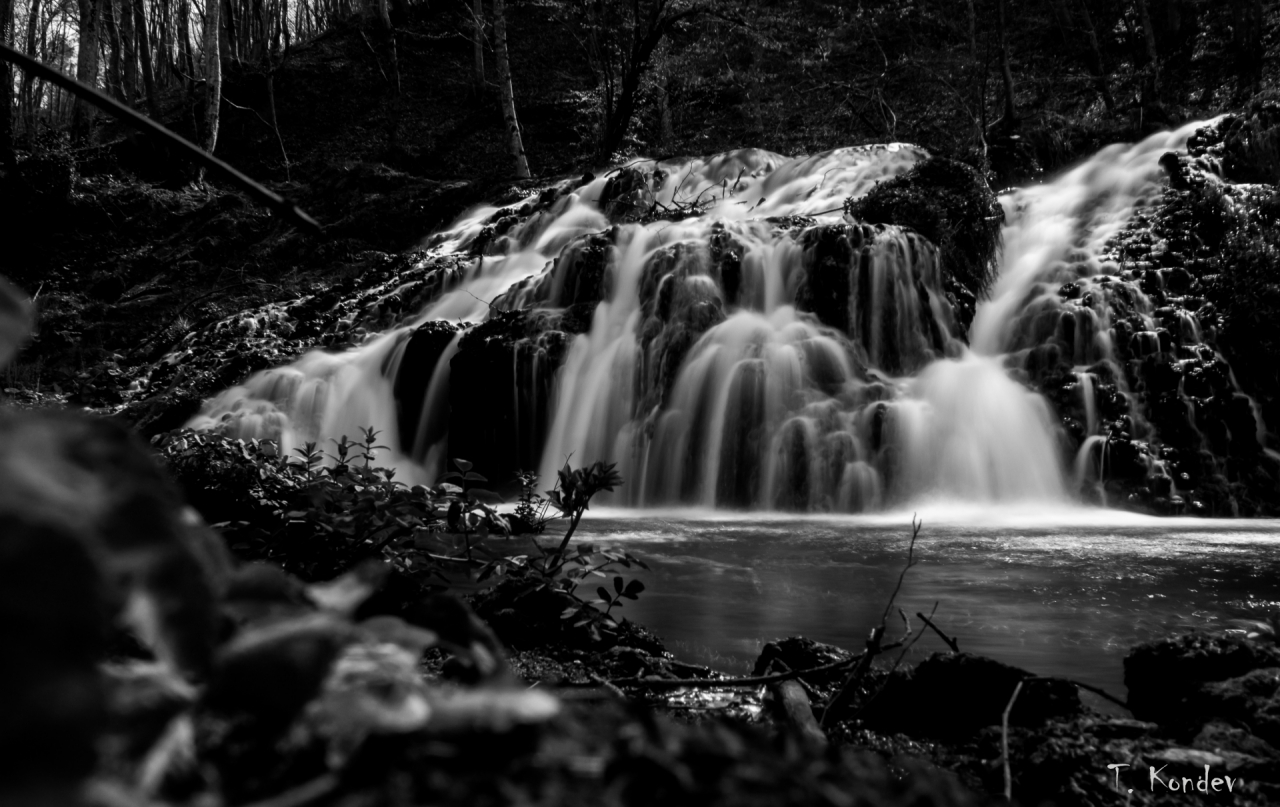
[752, 347]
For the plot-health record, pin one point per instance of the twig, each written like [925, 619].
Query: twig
[911, 561]
[906, 648]
[376, 61]
[234, 105]
[610, 687]
[628, 165]
[873, 646]
[1004, 742]
[955, 648]
[1102, 693]
[710, 683]
[111, 106]
[490, 303]
[274, 129]
[468, 561]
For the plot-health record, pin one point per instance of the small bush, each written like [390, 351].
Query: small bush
[314, 518]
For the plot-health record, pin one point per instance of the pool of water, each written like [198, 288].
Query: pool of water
[1065, 593]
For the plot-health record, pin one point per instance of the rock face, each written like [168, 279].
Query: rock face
[424, 347]
[1133, 357]
[948, 203]
[883, 287]
[500, 391]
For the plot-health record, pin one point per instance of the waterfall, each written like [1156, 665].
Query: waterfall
[754, 347]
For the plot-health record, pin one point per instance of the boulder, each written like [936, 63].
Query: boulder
[953, 696]
[1165, 677]
[951, 205]
[799, 653]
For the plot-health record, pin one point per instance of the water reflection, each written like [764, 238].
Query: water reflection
[1065, 594]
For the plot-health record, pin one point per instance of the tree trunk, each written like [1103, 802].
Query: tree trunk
[228, 27]
[86, 67]
[27, 100]
[164, 46]
[1151, 92]
[144, 50]
[619, 119]
[638, 54]
[212, 73]
[128, 39]
[477, 43]
[666, 128]
[114, 83]
[1006, 71]
[186, 61]
[7, 157]
[1247, 28]
[1096, 66]
[259, 46]
[514, 143]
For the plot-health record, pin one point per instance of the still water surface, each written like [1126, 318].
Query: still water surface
[1065, 593]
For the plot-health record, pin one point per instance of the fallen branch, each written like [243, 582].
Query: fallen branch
[1004, 742]
[715, 683]
[609, 687]
[111, 106]
[1102, 693]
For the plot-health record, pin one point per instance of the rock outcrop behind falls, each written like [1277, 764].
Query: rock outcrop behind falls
[1167, 425]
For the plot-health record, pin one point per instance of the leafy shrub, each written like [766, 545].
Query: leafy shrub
[531, 511]
[539, 598]
[315, 519]
[318, 514]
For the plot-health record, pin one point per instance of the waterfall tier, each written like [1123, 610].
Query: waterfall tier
[725, 332]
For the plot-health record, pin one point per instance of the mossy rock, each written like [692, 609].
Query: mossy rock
[948, 203]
